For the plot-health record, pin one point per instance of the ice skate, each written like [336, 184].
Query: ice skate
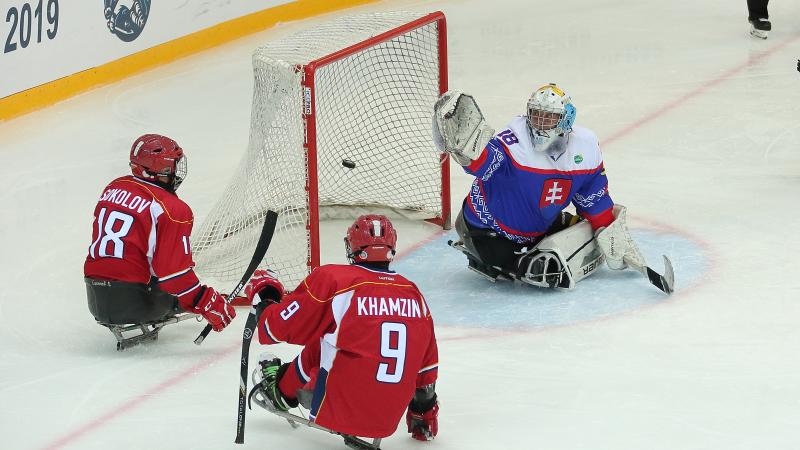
[759, 27]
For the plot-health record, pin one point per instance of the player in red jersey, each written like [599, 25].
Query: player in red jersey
[369, 344]
[139, 269]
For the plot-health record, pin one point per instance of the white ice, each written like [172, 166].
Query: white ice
[699, 124]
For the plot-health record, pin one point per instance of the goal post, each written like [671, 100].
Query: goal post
[340, 125]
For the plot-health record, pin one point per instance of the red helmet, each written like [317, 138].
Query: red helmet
[371, 238]
[153, 155]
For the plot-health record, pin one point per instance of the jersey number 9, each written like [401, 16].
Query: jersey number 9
[393, 346]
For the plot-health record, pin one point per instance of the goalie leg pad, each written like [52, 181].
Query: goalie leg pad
[562, 259]
[543, 269]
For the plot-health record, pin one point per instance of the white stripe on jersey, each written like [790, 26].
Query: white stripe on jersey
[176, 274]
[303, 375]
[339, 304]
[427, 368]
[269, 333]
[155, 212]
[196, 285]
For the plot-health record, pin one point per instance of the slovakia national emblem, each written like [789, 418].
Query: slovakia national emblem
[555, 192]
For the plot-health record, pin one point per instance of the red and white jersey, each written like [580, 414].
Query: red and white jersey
[377, 344]
[141, 230]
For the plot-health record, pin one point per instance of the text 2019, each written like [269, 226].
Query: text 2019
[24, 20]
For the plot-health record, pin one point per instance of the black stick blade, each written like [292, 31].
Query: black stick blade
[664, 282]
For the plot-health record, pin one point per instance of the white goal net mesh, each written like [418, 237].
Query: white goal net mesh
[372, 107]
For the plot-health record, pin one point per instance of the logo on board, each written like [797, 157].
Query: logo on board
[126, 18]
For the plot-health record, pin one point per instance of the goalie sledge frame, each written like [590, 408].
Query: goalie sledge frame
[308, 86]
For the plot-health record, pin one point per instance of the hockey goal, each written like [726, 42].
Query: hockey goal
[340, 126]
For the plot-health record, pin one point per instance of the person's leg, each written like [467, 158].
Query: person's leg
[757, 9]
[282, 383]
[760, 26]
[301, 371]
[488, 247]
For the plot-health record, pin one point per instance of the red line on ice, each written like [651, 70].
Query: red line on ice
[131, 404]
[699, 90]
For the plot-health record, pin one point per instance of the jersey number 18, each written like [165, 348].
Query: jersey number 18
[106, 234]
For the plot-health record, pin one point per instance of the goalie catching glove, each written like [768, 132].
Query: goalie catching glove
[459, 127]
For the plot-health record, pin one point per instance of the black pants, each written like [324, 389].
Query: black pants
[757, 9]
[492, 249]
[121, 303]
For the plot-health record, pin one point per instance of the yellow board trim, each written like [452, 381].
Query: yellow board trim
[69, 86]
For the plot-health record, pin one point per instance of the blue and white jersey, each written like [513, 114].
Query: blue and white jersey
[519, 192]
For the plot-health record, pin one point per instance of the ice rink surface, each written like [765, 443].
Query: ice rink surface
[699, 124]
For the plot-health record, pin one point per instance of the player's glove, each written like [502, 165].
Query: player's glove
[423, 425]
[212, 306]
[263, 290]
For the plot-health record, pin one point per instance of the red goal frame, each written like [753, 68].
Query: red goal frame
[310, 123]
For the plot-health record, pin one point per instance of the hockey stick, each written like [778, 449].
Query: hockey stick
[247, 336]
[664, 282]
[261, 249]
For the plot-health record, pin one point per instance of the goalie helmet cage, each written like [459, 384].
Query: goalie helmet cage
[358, 89]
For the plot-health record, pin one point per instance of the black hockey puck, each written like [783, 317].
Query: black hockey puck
[349, 164]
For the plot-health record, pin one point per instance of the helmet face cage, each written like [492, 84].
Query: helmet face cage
[181, 168]
[371, 238]
[550, 112]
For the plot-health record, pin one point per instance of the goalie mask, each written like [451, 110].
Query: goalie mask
[371, 238]
[158, 159]
[551, 115]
